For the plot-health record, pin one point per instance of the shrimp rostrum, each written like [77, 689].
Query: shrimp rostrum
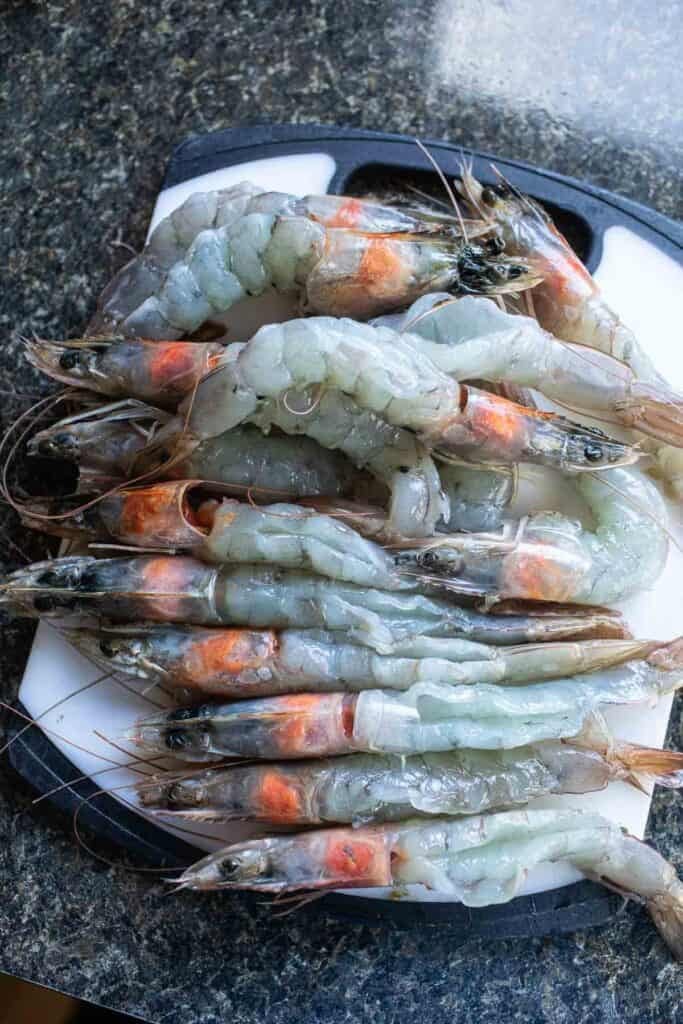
[340, 255]
[480, 860]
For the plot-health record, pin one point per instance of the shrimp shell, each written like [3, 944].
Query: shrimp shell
[180, 589]
[245, 663]
[361, 789]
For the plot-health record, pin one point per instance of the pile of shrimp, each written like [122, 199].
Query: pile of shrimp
[308, 539]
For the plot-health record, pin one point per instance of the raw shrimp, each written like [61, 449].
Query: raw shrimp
[387, 375]
[341, 255]
[568, 302]
[479, 860]
[104, 442]
[428, 717]
[393, 455]
[552, 558]
[186, 515]
[179, 589]
[472, 339]
[244, 663]
[360, 789]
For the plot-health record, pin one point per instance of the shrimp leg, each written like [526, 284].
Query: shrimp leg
[245, 663]
[180, 589]
[479, 860]
[428, 717]
[360, 789]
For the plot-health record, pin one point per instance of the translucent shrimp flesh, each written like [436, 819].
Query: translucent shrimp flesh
[171, 588]
[473, 339]
[552, 558]
[479, 860]
[390, 377]
[361, 789]
[245, 663]
[340, 255]
[427, 718]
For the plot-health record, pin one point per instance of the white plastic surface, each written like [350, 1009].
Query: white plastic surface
[638, 280]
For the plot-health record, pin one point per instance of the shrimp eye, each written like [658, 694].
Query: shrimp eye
[593, 452]
[69, 359]
[229, 867]
[495, 246]
[489, 196]
[176, 739]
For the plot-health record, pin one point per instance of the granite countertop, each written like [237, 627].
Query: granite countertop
[96, 95]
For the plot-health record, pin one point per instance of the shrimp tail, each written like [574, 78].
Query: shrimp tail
[654, 409]
[666, 911]
[663, 767]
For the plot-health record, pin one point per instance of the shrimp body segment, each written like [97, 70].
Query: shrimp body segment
[370, 788]
[428, 717]
[180, 589]
[552, 558]
[244, 663]
[220, 247]
[480, 860]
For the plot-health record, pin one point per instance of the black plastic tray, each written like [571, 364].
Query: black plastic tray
[365, 161]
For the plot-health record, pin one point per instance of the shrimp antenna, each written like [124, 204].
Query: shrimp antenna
[449, 191]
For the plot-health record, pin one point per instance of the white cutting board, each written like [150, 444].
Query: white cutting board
[644, 286]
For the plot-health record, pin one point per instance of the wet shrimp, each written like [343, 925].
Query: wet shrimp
[360, 789]
[552, 558]
[103, 443]
[480, 860]
[245, 663]
[473, 339]
[340, 255]
[187, 515]
[180, 589]
[427, 718]
[388, 376]
[568, 302]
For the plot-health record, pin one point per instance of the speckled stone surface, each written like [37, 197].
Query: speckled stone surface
[95, 95]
